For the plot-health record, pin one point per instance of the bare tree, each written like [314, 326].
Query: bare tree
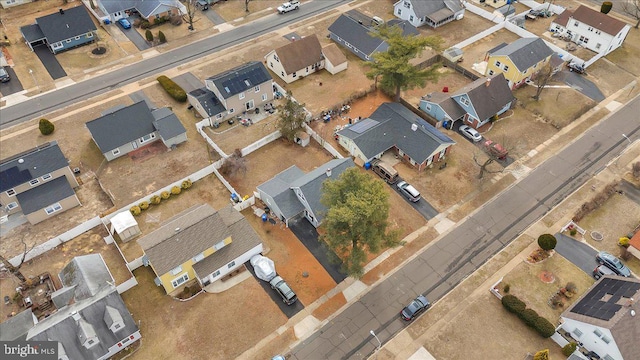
[632, 8]
[234, 164]
[493, 155]
[15, 270]
[190, 16]
[542, 79]
[246, 5]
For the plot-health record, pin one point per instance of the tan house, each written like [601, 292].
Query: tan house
[334, 59]
[519, 61]
[38, 182]
[297, 59]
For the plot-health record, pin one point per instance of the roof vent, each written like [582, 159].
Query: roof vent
[414, 127]
[328, 172]
[20, 161]
[62, 13]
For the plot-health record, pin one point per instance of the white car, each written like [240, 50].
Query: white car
[471, 133]
[289, 6]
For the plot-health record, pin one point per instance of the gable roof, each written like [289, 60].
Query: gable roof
[41, 196]
[241, 78]
[88, 274]
[31, 164]
[488, 99]
[635, 240]
[425, 8]
[32, 33]
[61, 26]
[145, 7]
[299, 54]
[208, 100]
[279, 189]
[525, 52]
[598, 20]
[444, 100]
[167, 123]
[391, 124]
[333, 54]
[121, 126]
[563, 19]
[607, 304]
[17, 326]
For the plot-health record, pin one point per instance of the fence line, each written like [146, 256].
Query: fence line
[323, 142]
[260, 143]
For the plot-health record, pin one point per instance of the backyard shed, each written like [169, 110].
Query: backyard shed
[125, 226]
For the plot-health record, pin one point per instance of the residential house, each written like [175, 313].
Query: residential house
[603, 321]
[518, 61]
[352, 31]
[11, 3]
[16, 327]
[233, 92]
[123, 129]
[497, 3]
[634, 245]
[334, 59]
[297, 59]
[433, 13]
[292, 193]
[62, 30]
[394, 127]
[199, 243]
[475, 104]
[150, 10]
[38, 182]
[591, 29]
[92, 321]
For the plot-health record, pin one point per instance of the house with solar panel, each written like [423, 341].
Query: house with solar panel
[38, 182]
[604, 322]
[62, 30]
[233, 92]
[393, 127]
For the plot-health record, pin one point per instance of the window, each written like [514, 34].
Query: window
[506, 68]
[34, 182]
[12, 206]
[264, 97]
[219, 116]
[584, 39]
[257, 88]
[231, 264]
[464, 101]
[176, 270]
[57, 45]
[598, 32]
[606, 339]
[115, 152]
[11, 192]
[597, 332]
[181, 280]
[68, 41]
[598, 46]
[399, 11]
[411, 18]
[53, 208]
[117, 326]
[491, 72]
[577, 332]
[147, 138]
[198, 257]
[524, 72]
[283, 74]
[427, 107]
[347, 45]
[608, 357]
[275, 57]
[241, 96]
[216, 274]
[576, 24]
[294, 75]
[246, 82]
[90, 342]
[219, 245]
[46, 177]
[270, 63]
[249, 105]
[407, 5]
[590, 28]
[90, 35]
[231, 111]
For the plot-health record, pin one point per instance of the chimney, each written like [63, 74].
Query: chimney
[488, 82]
[414, 127]
[61, 12]
[328, 172]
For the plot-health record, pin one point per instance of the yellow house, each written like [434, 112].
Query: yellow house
[518, 61]
[199, 243]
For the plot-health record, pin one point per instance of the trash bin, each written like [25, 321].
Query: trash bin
[367, 165]
[107, 21]
[264, 217]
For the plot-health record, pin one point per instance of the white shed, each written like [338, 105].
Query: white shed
[335, 60]
[125, 225]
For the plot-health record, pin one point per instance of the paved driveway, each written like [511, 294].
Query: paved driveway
[12, 86]
[133, 35]
[581, 83]
[213, 16]
[188, 82]
[50, 62]
[289, 310]
[579, 253]
[422, 206]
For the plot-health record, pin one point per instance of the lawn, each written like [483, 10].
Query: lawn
[557, 106]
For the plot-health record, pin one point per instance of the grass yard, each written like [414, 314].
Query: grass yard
[557, 106]
[78, 60]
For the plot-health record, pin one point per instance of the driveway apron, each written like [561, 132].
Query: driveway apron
[135, 37]
[580, 254]
[215, 18]
[50, 62]
[289, 310]
[13, 86]
[580, 83]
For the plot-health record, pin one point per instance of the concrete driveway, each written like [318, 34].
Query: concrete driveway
[50, 62]
[12, 86]
[579, 253]
[289, 310]
[213, 16]
[581, 83]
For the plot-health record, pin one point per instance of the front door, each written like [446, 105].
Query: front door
[134, 144]
[249, 105]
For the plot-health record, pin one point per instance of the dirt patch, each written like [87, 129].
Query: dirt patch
[476, 52]
[557, 106]
[146, 152]
[329, 307]
[278, 345]
[235, 10]
[546, 277]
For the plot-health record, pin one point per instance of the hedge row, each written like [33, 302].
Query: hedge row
[173, 89]
[156, 199]
[528, 316]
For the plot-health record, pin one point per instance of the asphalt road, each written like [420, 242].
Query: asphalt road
[471, 243]
[580, 254]
[63, 97]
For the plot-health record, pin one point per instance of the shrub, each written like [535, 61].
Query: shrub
[507, 287]
[176, 190]
[571, 287]
[161, 37]
[623, 241]
[155, 200]
[186, 184]
[541, 355]
[625, 254]
[529, 317]
[573, 232]
[547, 242]
[176, 20]
[46, 127]
[149, 35]
[165, 195]
[513, 304]
[173, 89]
[144, 205]
[145, 24]
[544, 327]
[568, 349]
[606, 7]
[135, 210]
[636, 169]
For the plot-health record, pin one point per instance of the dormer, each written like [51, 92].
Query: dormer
[113, 319]
[87, 334]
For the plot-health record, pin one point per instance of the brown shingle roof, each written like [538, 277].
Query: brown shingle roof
[598, 20]
[563, 18]
[635, 240]
[333, 54]
[300, 53]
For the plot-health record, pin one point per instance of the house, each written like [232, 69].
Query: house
[634, 245]
[591, 29]
[92, 320]
[233, 92]
[518, 61]
[199, 243]
[11, 3]
[334, 59]
[150, 10]
[123, 129]
[38, 182]
[62, 30]
[475, 104]
[350, 32]
[292, 193]
[497, 3]
[16, 327]
[604, 320]
[434, 13]
[297, 59]
[394, 127]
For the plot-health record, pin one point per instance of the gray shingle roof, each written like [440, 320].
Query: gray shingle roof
[167, 123]
[32, 32]
[122, 126]
[279, 189]
[44, 195]
[300, 53]
[57, 27]
[145, 7]
[87, 273]
[17, 326]
[488, 100]
[241, 78]
[447, 104]
[394, 128]
[31, 164]
[208, 100]
[525, 52]
[426, 8]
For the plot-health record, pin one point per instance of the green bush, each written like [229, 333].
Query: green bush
[507, 287]
[149, 35]
[144, 205]
[145, 24]
[46, 127]
[568, 349]
[176, 190]
[135, 210]
[513, 304]
[155, 200]
[544, 327]
[606, 7]
[573, 232]
[186, 184]
[165, 195]
[173, 89]
[547, 242]
[161, 37]
[529, 317]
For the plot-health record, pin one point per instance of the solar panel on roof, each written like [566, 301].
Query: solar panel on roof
[363, 125]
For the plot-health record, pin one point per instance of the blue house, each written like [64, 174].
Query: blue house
[61, 30]
[475, 104]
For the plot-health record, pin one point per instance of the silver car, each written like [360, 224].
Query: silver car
[470, 133]
[408, 191]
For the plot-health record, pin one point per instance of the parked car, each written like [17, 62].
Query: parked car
[408, 191]
[282, 288]
[495, 149]
[601, 271]
[124, 23]
[613, 263]
[289, 6]
[203, 5]
[470, 133]
[415, 307]
[4, 75]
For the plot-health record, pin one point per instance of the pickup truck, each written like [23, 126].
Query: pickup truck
[288, 6]
[495, 149]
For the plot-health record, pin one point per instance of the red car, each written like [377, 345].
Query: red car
[495, 149]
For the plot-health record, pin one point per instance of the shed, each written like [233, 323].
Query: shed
[302, 138]
[125, 226]
[335, 60]
[453, 54]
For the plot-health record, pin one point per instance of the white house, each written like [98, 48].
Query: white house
[591, 29]
[434, 13]
[297, 59]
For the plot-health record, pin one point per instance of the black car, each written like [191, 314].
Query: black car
[415, 307]
[283, 289]
[613, 263]
[4, 75]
